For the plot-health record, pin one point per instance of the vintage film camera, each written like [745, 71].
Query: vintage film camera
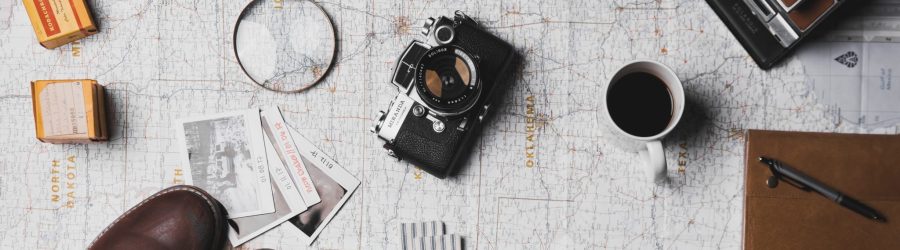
[447, 86]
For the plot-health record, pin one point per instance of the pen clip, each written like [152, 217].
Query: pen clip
[772, 182]
[796, 184]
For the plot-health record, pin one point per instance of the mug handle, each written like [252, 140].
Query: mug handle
[655, 161]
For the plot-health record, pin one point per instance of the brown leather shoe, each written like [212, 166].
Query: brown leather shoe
[179, 217]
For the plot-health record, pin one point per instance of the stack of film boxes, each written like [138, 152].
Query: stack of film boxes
[69, 111]
[65, 111]
[59, 22]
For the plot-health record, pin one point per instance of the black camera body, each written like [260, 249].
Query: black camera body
[447, 85]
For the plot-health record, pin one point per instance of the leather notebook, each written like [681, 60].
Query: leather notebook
[864, 167]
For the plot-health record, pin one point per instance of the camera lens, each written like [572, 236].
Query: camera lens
[450, 78]
[446, 79]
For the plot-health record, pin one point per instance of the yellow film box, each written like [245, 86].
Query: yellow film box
[69, 111]
[58, 22]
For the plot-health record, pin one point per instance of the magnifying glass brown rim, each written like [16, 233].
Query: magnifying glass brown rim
[309, 85]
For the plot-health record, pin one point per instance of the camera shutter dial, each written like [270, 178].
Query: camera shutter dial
[444, 34]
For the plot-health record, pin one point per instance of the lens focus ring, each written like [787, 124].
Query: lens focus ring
[447, 80]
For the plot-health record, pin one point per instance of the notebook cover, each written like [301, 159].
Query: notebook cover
[865, 167]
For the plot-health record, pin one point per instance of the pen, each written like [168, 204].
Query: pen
[802, 181]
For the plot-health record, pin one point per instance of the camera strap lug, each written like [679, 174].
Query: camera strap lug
[461, 17]
[390, 152]
[484, 112]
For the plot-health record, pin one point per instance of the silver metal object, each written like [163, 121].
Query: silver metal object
[418, 110]
[388, 125]
[427, 27]
[781, 29]
[484, 111]
[438, 126]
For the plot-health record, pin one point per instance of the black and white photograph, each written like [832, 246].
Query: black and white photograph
[331, 193]
[276, 129]
[288, 204]
[225, 154]
[333, 183]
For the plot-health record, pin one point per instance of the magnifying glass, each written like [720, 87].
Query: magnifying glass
[284, 45]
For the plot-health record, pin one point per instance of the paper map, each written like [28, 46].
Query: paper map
[542, 176]
[854, 67]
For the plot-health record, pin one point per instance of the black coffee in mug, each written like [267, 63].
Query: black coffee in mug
[640, 104]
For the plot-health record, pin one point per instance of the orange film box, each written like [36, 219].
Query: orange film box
[58, 22]
[69, 111]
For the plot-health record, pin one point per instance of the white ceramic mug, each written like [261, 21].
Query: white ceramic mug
[649, 147]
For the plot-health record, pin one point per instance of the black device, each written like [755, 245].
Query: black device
[447, 85]
[796, 178]
[770, 29]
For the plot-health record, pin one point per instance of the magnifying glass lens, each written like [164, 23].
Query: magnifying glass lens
[285, 46]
